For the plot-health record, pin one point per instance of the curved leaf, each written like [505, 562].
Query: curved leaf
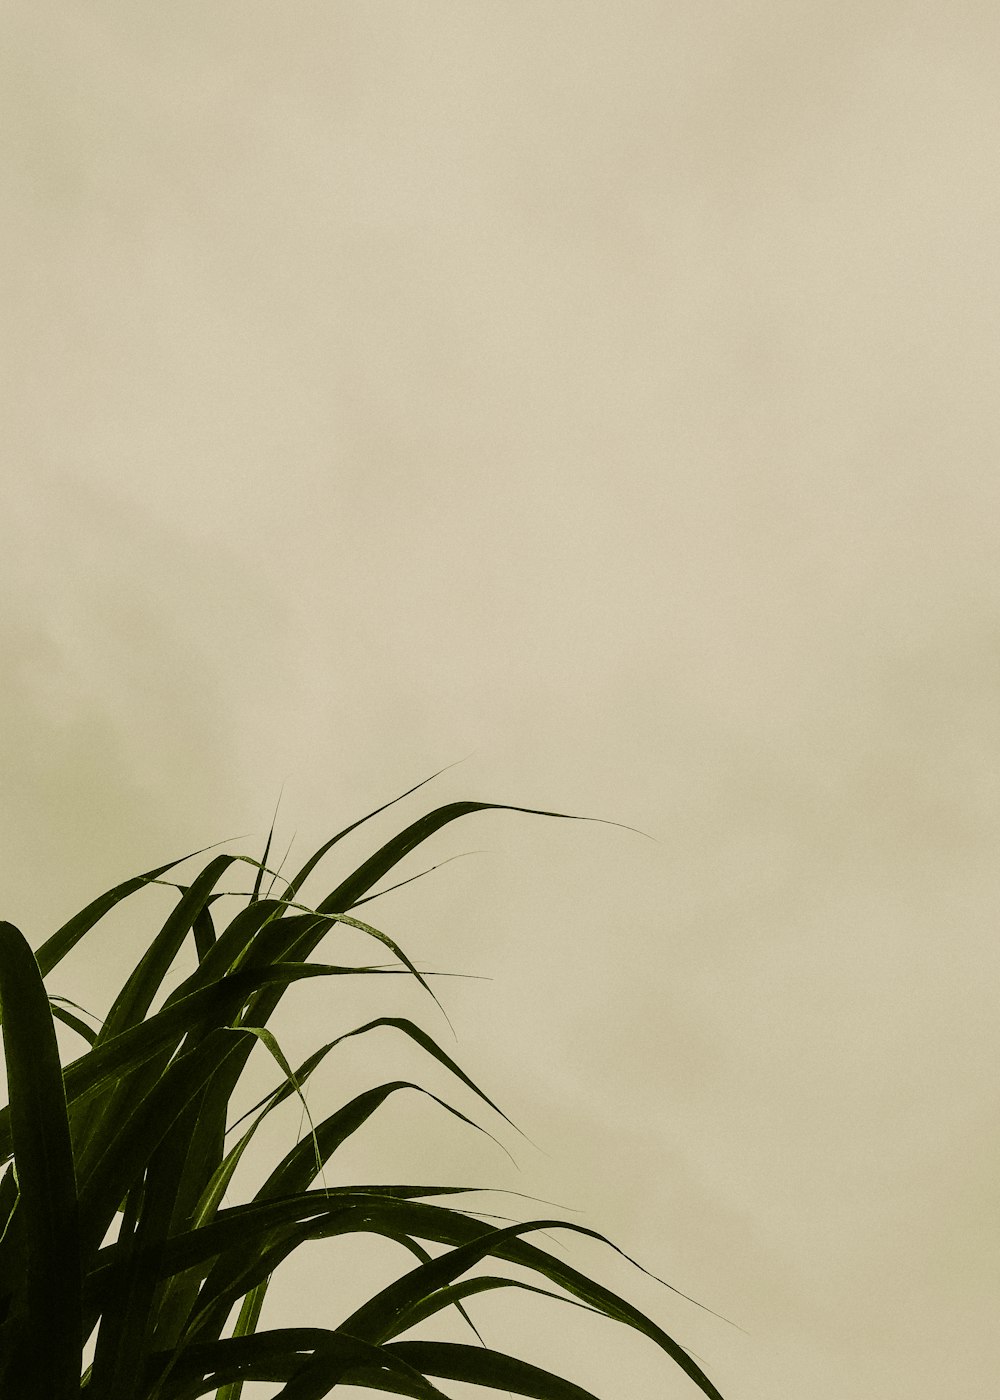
[455, 1361]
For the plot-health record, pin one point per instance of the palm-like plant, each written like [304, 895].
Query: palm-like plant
[136, 1128]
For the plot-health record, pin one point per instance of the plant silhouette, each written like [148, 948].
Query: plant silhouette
[135, 1133]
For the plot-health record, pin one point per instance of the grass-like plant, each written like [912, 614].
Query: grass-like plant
[134, 1132]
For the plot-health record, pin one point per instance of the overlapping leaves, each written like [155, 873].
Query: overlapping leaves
[136, 1129]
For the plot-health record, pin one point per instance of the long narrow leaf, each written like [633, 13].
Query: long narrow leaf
[409, 1028]
[376, 1318]
[54, 949]
[300, 1354]
[74, 1022]
[314, 860]
[455, 1361]
[267, 851]
[43, 1338]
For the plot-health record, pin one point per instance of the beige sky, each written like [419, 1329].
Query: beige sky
[606, 392]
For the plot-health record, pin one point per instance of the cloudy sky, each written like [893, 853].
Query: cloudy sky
[603, 396]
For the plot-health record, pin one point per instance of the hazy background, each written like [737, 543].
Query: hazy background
[606, 392]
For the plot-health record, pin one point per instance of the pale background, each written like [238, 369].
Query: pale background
[605, 392]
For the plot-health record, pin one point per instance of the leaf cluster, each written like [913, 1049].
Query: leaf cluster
[114, 1221]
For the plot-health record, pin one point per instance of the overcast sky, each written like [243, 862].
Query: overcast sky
[603, 395]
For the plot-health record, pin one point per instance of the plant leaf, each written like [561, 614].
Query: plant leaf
[43, 1339]
[456, 1361]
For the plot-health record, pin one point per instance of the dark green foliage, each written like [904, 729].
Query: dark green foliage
[136, 1128]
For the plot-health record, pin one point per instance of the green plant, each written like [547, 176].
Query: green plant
[136, 1129]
